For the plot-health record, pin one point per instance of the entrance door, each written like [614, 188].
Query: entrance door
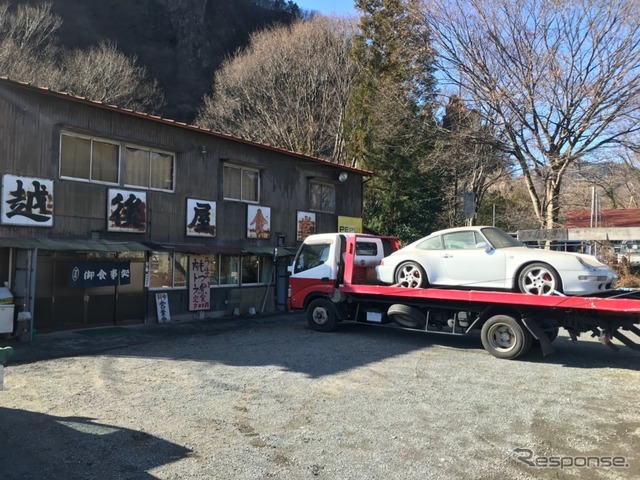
[62, 306]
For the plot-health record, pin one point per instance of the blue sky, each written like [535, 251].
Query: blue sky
[328, 7]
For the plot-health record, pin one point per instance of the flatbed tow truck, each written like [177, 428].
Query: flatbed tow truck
[333, 278]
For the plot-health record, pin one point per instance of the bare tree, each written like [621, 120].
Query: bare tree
[28, 42]
[562, 79]
[29, 52]
[288, 88]
[118, 79]
[470, 156]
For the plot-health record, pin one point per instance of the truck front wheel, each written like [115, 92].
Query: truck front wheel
[505, 337]
[321, 315]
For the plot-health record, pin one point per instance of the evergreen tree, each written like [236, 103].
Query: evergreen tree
[389, 123]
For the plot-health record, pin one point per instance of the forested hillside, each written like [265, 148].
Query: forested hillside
[180, 42]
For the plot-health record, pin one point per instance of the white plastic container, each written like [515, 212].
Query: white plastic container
[6, 310]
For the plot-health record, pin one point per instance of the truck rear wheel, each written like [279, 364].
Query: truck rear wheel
[505, 337]
[321, 315]
[406, 316]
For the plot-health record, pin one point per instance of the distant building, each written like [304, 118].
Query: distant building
[619, 217]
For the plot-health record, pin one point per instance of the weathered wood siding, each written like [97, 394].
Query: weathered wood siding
[30, 126]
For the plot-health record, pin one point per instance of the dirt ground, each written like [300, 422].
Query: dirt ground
[270, 398]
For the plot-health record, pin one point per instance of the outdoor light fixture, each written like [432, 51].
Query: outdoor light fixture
[343, 177]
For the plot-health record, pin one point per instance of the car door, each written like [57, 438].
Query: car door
[468, 260]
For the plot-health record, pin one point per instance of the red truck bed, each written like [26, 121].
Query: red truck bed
[615, 303]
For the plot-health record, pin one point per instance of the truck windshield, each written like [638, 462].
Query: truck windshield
[311, 255]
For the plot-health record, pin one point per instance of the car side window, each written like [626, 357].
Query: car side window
[312, 255]
[433, 243]
[459, 241]
[479, 239]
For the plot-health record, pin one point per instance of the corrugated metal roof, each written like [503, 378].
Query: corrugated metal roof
[619, 217]
[93, 245]
[168, 121]
[194, 248]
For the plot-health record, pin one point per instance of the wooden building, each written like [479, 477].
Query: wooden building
[110, 216]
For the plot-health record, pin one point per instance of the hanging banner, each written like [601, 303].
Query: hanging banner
[99, 274]
[162, 307]
[199, 282]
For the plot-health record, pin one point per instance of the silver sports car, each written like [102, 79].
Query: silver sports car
[489, 258]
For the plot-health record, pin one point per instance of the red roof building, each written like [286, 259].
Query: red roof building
[619, 217]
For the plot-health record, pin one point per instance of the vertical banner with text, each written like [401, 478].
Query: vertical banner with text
[199, 282]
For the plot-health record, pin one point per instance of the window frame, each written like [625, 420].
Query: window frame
[242, 169]
[121, 162]
[172, 263]
[91, 139]
[262, 260]
[217, 273]
[322, 185]
[150, 151]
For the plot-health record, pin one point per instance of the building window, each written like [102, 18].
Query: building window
[229, 270]
[241, 184]
[256, 269]
[168, 270]
[224, 270]
[98, 160]
[89, 159]
[148, 168]
[233, 270]
[323, 197]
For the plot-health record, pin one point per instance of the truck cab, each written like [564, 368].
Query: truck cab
[326, 261]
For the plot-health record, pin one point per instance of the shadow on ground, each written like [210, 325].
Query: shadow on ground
[287, 341]
[35, 445]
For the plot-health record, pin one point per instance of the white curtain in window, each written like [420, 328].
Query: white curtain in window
[104, 162]
[161, 171]
[232, 183]
[136, 165]
[250, 179]
[75, 157]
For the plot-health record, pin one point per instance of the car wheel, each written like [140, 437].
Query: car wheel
[505, 337]
[406, 316]
[411, 275]
[321, 315]
[539, 279]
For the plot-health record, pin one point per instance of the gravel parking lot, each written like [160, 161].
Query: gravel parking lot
[270, 398]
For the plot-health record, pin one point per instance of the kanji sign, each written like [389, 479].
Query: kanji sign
[126, 211]
[99, 274]
[199, 282]
[162, 307]
[201, 218]
[27, 201]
